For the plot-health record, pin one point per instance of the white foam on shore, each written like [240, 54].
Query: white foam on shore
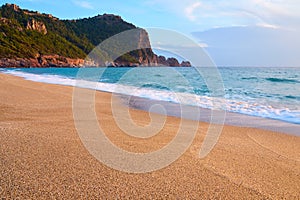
[242, 107]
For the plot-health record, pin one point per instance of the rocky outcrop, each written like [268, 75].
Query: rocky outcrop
[58, 61]
[13, 6]
[162, 60]
[109, 17]
[41, 61]
[185, 64]
[172, 62]
[144, 56]
[5, 21]
[32, 24]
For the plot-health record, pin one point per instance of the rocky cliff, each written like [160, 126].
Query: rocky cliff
[33, 39]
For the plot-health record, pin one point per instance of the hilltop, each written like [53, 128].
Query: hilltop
[33, 39]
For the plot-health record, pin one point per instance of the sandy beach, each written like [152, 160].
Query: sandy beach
[42, 156]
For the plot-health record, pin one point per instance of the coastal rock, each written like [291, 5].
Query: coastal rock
[41, 61]
[162, 61]
[185, 64]
[59, 61]
[173, 62]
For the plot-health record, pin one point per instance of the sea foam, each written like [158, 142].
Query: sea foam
[230, 105]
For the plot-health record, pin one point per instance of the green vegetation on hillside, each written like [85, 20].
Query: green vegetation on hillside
[68, 38]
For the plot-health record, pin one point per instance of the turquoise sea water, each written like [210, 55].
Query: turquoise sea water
[272, 93]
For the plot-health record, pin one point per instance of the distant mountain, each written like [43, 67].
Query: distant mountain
[32, 39]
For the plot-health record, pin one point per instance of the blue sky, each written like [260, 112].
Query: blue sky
[205, 20]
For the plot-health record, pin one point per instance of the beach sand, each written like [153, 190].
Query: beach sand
[42, 156]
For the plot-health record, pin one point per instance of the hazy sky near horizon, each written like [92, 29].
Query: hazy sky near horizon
[275, 20]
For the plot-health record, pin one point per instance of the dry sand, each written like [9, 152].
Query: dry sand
[42, 157]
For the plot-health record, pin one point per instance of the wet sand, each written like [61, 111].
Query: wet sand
[42, 156]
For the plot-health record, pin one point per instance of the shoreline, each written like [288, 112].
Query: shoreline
[173, 109]
[231, 118]
[42, 155]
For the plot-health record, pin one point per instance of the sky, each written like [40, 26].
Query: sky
[222, 27]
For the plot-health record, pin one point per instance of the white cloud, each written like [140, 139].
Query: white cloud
[83, 4]
[207, 14]
[274, 7]
[265, 25]
[189, 10]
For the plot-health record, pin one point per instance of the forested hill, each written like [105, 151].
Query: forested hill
[32, 39]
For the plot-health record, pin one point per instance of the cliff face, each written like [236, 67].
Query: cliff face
[25, 34]
[148, 58]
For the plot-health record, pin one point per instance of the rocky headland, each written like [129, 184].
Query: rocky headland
[33, 39]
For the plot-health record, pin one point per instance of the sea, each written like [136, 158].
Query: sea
[264, 97]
